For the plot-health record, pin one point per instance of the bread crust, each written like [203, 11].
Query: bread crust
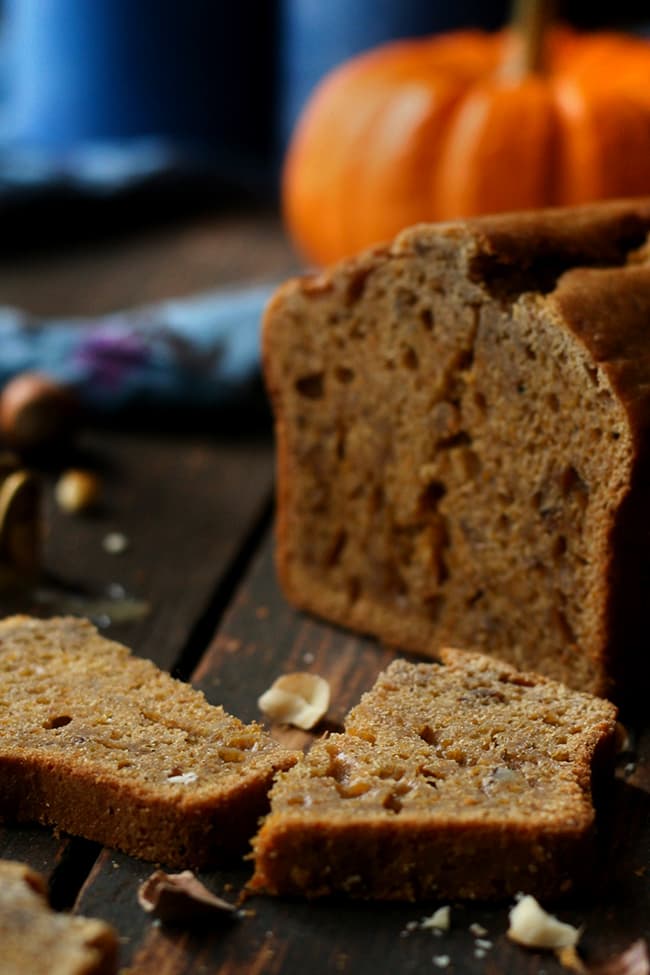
[470, 781]
[104, 745]
[35, 938]
[586, 273]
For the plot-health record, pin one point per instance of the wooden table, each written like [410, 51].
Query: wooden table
[196, 508]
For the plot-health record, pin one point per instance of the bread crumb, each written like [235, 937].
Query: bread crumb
[115, 543]
[231, 644]
[184, 778]
[478, 930]
[438, 921]
[299, 699]
[441, 960]
[530, 925]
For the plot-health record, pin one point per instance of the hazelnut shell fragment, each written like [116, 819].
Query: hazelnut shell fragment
[530, 925]
[181, 898]
[299, 699]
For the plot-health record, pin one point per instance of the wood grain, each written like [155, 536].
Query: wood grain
[185, 505]
[149, 265]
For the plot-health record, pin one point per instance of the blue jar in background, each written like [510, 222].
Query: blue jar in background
[216, 82]
[213, 81]
[193, 72]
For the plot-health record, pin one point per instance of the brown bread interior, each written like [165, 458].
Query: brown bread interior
[458, 442]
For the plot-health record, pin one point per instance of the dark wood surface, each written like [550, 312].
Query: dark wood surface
[195, 507]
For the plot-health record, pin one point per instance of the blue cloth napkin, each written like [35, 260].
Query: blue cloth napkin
[192, 352]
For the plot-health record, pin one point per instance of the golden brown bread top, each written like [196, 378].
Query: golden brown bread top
[592, 234]
[591, 263]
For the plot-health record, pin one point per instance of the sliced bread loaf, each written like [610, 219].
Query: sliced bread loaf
[462, 423]
[470, 780]
[33, 938]
[102, 744]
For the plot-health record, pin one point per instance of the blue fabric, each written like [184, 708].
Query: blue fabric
[101, 168]
[198, 351]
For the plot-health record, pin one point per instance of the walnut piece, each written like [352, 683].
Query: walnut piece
[531, 926]
[439, 921]
[299, 699]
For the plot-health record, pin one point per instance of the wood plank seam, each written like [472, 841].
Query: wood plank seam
[74, 863]
[208, 622]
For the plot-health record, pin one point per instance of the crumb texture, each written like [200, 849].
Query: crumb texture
[102, 744]
[36, 939]
[461, 423]
[467, 780]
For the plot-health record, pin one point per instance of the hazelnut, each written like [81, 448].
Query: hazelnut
[35, 411]
[20, 528]
[77, 490]
[298, 699]
[531, 926]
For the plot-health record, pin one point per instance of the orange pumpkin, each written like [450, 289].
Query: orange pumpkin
[440, 128]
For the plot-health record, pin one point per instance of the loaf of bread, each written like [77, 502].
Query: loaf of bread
[462, 426]
[104, 745]
[470, 780]
[35, 939]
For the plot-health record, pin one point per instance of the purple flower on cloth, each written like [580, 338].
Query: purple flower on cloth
[201, 350]
[111, 353]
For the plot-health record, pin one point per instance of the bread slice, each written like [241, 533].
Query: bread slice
[33, 938]
[462, 437]
[470, 780]
[104, 745]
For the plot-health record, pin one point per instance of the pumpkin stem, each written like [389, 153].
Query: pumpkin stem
[529, 22]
